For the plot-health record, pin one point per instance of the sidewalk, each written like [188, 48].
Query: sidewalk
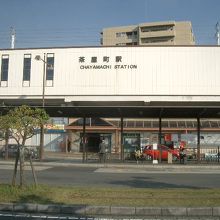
[68, 160]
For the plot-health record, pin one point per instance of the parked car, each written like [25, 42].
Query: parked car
[150, 153]
[12, 151]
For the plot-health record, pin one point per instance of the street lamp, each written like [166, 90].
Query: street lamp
[38, 58]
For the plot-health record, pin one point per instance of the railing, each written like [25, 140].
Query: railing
[207, 155]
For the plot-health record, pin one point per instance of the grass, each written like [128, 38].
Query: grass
[110, 196]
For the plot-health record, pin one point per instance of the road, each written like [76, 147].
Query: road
[115, 177]
[130, 177]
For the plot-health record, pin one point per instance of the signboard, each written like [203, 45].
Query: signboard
[104, 62]
[154, 146]
[54, 127]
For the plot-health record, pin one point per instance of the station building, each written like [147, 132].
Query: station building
[131, 96]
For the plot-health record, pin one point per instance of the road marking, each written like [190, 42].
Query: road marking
[156, 171]
[37, 168]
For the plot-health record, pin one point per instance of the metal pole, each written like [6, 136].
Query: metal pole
[38, 57]
[43, 105]
[198, 139]
[116, 141]
[84, 138]
[44, 74]
[218, 154]
[159, 137]
[122, 138]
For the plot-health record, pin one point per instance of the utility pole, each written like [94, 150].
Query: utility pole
[13, 36]
[217, 28]
[38, 57]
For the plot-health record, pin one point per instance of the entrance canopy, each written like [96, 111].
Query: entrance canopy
[124, 109]
[136, 112]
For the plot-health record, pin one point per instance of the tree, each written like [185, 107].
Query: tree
[21, 124]
[4, 132]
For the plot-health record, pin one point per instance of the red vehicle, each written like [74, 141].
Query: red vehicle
[150, 153]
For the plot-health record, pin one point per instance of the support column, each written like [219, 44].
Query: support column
[122, 138]
[117, 147]
[159, 138]
[84, 139]
[198, 139]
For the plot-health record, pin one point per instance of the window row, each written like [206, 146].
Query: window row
[48, 61]
[129, 35]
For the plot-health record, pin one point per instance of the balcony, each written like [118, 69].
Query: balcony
[162, 33]
[168, 40]
[126, 40]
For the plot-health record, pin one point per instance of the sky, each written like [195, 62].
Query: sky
[54, 23]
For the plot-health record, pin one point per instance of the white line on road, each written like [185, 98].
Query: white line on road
[159, 171]
[11, 167]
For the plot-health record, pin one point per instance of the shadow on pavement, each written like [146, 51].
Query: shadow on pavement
[144, 182]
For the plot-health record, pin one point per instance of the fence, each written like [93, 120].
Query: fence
[207, 155]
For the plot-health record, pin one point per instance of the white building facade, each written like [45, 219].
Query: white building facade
[112, 74]
[136, 77]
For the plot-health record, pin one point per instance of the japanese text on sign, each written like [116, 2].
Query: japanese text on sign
[95, 62]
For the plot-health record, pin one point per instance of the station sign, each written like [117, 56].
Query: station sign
[104, 62]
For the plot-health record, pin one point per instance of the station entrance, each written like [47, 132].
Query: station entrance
[93, 140]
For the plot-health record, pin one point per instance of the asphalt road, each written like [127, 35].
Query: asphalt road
[115, 177]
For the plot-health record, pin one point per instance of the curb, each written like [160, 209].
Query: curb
[127, 165]
[87, 210]
[124, 167]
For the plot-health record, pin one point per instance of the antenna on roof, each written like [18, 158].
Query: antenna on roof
[13, 36]
[217, 28]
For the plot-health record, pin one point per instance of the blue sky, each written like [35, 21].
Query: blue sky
[45, 23]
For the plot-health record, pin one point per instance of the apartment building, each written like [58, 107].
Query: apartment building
[155, 33]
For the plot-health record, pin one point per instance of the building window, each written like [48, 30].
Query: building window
[4, 70]
[121, 34]
[27, 70]
[129, 35]
[50, 69]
